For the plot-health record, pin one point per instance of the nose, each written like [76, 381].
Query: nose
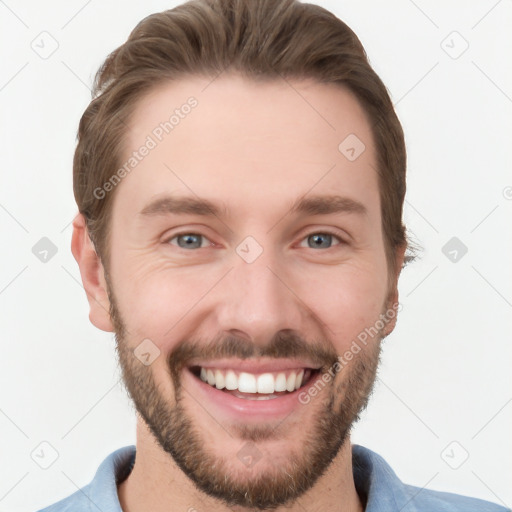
[258, 299]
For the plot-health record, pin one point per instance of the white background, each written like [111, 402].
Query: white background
[445, 374]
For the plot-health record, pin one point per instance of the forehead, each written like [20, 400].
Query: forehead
[233, 138]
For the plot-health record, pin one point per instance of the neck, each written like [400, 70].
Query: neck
[156, 483]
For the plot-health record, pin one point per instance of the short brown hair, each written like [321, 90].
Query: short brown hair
[260, 39]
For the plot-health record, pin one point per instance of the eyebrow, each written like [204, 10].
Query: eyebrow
[314, 205]
[325, 205]
[182, 205]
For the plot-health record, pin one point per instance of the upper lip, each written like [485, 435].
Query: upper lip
[255, 365]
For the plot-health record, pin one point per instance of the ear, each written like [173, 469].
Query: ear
[93, 275]
[392, 300]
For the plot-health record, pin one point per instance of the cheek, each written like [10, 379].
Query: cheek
[349, 301]
[158, 301]
[155, 298]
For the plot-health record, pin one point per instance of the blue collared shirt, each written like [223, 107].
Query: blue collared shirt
[375, 481]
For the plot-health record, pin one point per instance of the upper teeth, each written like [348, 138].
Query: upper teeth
[250, 383]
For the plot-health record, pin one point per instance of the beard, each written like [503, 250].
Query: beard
[213, 474]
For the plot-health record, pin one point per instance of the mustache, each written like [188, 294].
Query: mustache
[285, 344]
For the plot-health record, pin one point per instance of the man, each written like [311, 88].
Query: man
[240, 177]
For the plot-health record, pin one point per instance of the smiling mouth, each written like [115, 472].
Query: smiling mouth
[255, 386]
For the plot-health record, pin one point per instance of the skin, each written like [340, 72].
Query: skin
[254, 148]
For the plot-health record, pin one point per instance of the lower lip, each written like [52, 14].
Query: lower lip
[245, 408]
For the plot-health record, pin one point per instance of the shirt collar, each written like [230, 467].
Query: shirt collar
[375, 481]
[112, 471]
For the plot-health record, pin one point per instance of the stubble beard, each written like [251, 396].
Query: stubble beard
[267, 485]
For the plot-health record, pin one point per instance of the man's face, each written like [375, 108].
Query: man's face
[258, 293]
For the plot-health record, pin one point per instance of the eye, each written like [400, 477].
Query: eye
[189, 240]
[321, 240]
[318, 240]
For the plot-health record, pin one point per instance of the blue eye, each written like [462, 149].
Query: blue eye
[318, 240]
[188, 240]
[321, 240]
